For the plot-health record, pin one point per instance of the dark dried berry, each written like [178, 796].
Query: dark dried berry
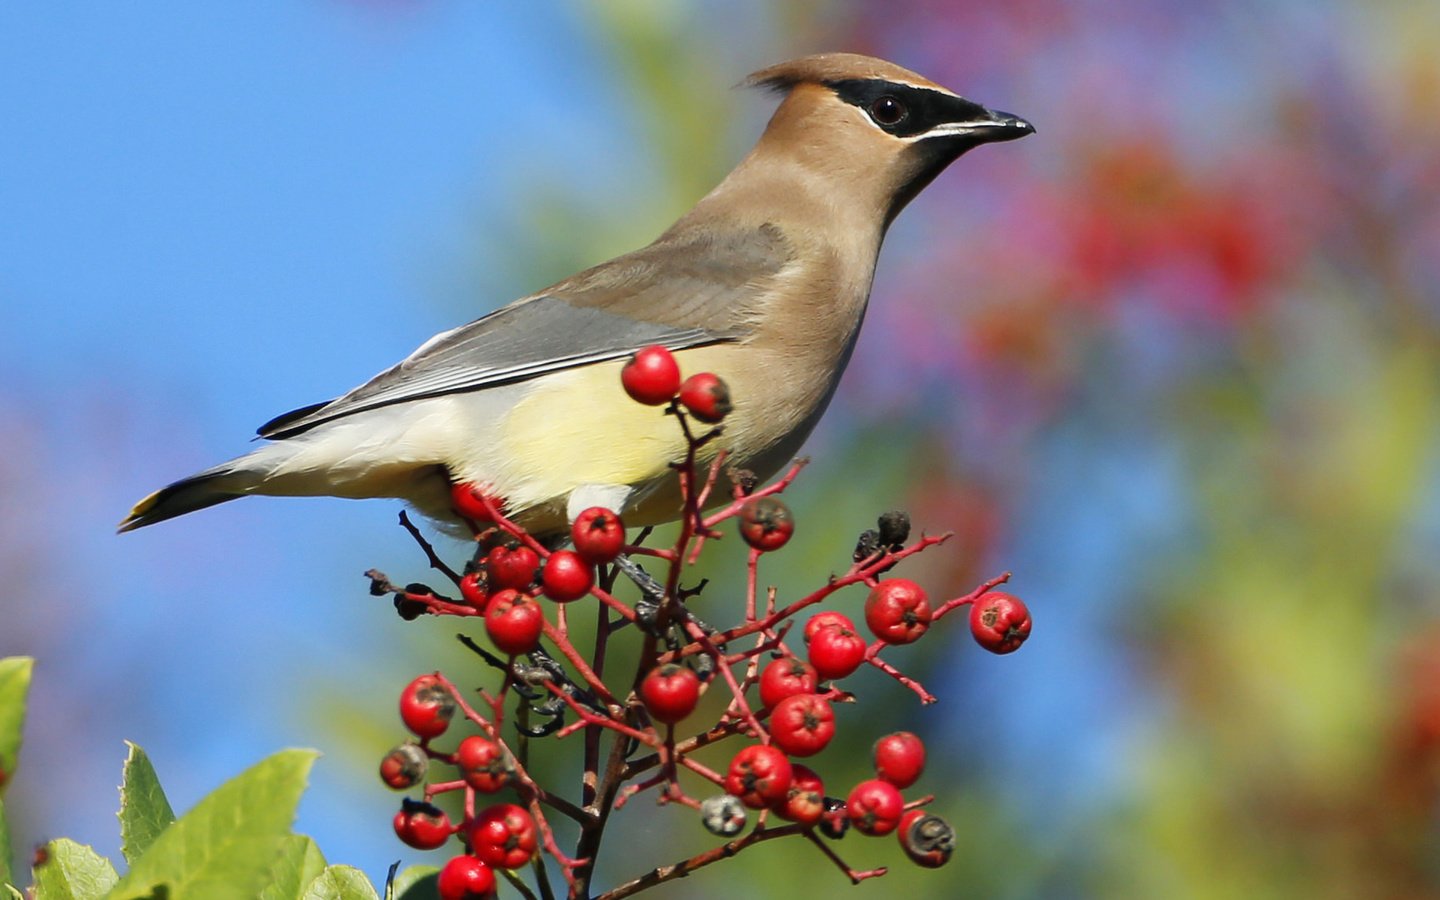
[834, 821]
[894, 529]
[867, 546]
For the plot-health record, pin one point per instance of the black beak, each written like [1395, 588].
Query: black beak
[999, 126]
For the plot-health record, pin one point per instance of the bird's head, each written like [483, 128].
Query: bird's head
[873, 127]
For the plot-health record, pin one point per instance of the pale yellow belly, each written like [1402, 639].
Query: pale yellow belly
[580, 428]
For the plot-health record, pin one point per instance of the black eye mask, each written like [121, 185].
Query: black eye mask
[920, 109]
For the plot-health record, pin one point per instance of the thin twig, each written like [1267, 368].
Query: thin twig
[435, 561]
[519, 885]
[662, 874]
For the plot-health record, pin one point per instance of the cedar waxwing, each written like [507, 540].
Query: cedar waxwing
[764, 282]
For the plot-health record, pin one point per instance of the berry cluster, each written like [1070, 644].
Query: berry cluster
[779, 693]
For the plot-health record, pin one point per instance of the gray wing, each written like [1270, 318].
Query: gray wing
[685, 290]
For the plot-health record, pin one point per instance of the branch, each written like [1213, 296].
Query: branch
[662, 874]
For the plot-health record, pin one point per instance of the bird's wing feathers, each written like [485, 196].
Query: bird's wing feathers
[682, 291]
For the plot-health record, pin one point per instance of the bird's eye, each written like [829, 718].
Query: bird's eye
[888, 111]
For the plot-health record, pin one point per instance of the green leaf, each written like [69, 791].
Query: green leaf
[14, 682]
[73, 872]
[416, 883]
[341, 883]
[7, 876]
[144, 811]
[299, 864]
[227, 845]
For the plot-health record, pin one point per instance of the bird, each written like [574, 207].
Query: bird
[764, 282]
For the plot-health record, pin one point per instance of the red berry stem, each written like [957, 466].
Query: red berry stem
[592, 681]
[775, 487]
[711, 477]
[497, 701]
[699, 636]
[657, 552]
[510, 528]
[562, 626]
[666, 776]
[587, 717]
[436, 788]
[857, 574]
[765, 645]
[668, 772]
[691, 523]
[739, 500]
[547, 839]
[752, 578]
[684, 748]
[440, 606]
[701, 769]
[870, 657]
[855, 875]
[609, 599]
[969, 598]
[923, 801]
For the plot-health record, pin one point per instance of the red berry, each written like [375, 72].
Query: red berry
[651, 376]
[766, 523]
[483, 764]
[474, 588]
[1000, 622]
[805, 801]
[706, 396]
[670, 692]
[465, 878]
[426, 707]
[802, 725]
[928, 840]
[404, 767]
[512, 567]
[875, 807]
[899, 758]
[759, 775]
[504, 836]
[835, 651]
[786, 677]
[514, 622]
[897, 611]
[566, 576]
[468, 499]
[422, 825]
[599, 535]
[827, 619]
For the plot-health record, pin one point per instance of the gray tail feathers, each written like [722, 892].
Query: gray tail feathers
[184, 496]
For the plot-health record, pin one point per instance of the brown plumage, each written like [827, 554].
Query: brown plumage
[764, 282]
